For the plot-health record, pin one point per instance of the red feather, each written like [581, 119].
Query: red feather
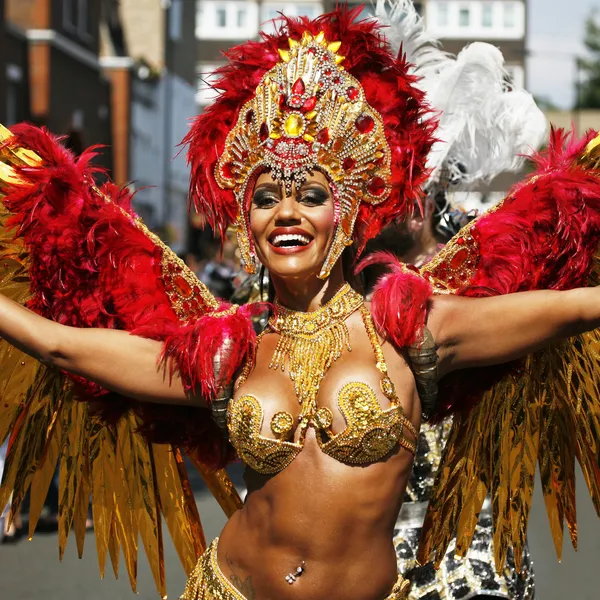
[400, 300]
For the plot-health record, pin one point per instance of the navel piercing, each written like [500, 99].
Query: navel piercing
[291, 577]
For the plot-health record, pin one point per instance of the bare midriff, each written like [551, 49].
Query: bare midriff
[336, 519]
[333, 519]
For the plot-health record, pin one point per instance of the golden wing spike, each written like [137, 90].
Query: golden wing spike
[102, 465]
[43, 477]
[334, 46]
[82, 503]
[284, 55]
[126, 518]
[176, 504]
[113, 548]
[74, 425]
[145, 503]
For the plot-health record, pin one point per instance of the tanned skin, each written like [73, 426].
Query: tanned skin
[335, 518]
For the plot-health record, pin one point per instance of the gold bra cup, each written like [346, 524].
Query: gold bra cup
[371, 432]
[264, 455]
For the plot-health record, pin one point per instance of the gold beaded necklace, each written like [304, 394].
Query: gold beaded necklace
[311, 342]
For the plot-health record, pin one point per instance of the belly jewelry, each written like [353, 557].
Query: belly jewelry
[291, 577]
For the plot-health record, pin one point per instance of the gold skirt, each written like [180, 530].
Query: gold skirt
[207, 581]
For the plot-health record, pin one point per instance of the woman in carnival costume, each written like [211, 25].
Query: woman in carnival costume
[486, 126]
[318, 139]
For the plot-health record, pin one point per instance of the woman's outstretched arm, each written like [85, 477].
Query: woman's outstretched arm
[117, 360]
[474, 332]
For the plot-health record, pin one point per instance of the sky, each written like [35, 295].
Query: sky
[556, 31]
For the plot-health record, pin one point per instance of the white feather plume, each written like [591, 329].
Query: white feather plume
[485, 125]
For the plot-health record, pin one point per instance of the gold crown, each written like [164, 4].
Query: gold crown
[308, 113]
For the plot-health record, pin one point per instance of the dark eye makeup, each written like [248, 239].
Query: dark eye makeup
[267, 196]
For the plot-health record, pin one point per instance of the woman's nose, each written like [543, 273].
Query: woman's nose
[288, 209]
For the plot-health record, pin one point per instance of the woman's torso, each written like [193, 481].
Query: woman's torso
[335, 518]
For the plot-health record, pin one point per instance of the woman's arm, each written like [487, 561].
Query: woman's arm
[118, 361]
[474, 332]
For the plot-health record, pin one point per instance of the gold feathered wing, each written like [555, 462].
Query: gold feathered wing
[132, 484]
[543, 410]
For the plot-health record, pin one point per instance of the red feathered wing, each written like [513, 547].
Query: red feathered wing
[77, 254]
[546, 408]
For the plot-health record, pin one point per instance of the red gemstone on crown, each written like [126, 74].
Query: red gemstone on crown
[311, 51]
[352, 93]
[323, 136]
[298, 87]
[364, 123]
[249, 117]
[295, 101]
[263, 133]
[182, 286]
[245, 155]
[327, 72]
[459, 258]
[227, 170]
[376, 186]
[309, 104]
[348, 163]
[337, 80]
[282, 100]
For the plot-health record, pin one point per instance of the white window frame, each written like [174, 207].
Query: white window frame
[443, 14]
[509, 17]
[207, 23]
[271, 10]
[487, 15]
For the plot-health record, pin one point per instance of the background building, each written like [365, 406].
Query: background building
[53, 74]
[221, 24]
[148, 50]
[502, 23]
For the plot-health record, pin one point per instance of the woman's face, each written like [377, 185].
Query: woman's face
[292, 234]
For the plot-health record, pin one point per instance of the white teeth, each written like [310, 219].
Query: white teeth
[291, 237]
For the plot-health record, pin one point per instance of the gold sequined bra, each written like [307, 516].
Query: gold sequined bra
[371, 432]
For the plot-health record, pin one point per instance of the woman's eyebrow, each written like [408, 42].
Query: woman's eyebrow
[272, 187]
[310, 184]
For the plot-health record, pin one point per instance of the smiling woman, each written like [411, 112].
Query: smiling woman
[319, 137]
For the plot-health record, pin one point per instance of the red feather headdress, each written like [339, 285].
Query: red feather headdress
[382, 111]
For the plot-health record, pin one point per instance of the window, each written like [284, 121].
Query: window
[76, 17]
[221, 17]
[464, 17]
[442, 14]
[242, 17]
[487, 15]
[418, 7]
[509, 15]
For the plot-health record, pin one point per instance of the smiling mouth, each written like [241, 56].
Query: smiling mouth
[290, 240]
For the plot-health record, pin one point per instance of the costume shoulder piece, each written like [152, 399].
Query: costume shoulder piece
[77, 254]
[546, 408]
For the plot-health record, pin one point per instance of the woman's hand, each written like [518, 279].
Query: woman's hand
[118, 361]
[474, 332]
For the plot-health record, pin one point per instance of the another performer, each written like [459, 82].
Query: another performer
[318, 139]
[486, 127]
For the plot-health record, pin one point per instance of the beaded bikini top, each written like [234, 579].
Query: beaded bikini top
[371, 432]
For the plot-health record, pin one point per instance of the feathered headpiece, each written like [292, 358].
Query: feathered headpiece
[325, 94]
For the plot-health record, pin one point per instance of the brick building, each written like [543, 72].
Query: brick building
[57, 77]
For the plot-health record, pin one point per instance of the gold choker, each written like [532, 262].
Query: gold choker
[310, 342]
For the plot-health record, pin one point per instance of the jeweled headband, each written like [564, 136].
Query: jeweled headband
[324, 94]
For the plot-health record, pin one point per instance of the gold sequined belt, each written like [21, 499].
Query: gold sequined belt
[412, 514]
[207, 581]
